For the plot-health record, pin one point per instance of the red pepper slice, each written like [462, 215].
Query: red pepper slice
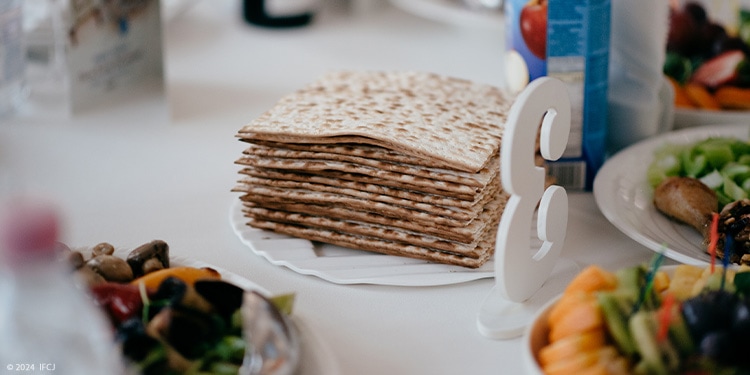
[120, 301]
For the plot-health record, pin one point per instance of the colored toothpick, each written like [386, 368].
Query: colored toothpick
[713, 239]
[665, 317]
[728, 246]
[656, 262]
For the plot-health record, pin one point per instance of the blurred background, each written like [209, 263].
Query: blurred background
[663, 65]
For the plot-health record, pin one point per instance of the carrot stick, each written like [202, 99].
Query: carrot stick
[731, 97]
[701, 96]
[681, 98]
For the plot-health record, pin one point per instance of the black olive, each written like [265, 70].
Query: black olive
[717, 345]
[190, 332]
[225, 297]
[696, 12]
[710, 311]
[136, 344]
[713, 40]
[741, 327]
[171, 289]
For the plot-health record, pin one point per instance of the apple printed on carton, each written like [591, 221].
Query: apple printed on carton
[526, 44]
[533, 20]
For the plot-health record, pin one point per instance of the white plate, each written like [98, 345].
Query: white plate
[625, 197]
[316, 358]
[228, 276]
[685, 118]
[347, 266]
[452, 12]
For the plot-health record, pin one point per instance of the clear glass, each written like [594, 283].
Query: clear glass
[48, 323]
[13, 90]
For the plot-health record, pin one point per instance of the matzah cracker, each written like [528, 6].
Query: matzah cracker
[282, 155]
[280, 187]
[366, 229]
[427, 115]
[350, 168]
[401, 163]
[468, 194]
[283, 178]
[484, 248]
[356, 149]
[464, 234]
[426, 214]
[460, 234]
[260, 195]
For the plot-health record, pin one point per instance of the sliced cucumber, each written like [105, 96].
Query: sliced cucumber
[617, 322]
[643, 329]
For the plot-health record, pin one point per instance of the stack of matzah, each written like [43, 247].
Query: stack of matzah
[400, 163]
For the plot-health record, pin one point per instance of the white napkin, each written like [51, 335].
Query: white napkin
[640, 99]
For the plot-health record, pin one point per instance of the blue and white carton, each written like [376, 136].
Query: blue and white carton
[568, 40]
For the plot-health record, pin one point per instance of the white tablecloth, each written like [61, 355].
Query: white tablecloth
[129, 174]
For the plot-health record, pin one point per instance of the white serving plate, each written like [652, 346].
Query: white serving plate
[626, 199]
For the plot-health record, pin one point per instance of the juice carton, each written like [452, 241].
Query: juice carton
[568, 40]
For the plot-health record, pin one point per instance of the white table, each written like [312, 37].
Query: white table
[128, 175]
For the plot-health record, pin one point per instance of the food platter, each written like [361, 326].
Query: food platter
[625, 198]
[536, 334]
[347, 266]
[317, 356]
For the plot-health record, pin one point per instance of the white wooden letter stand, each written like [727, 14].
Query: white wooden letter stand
[523, 263]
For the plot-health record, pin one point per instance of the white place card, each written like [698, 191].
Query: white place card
[113, 51]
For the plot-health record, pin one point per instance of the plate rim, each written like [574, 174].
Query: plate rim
[707, 112]
[685, 118]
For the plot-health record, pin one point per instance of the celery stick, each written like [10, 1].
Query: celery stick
[713, 180]
[736, 171]
[717, 154]
[664, 165]
[732, 190]
[694, 164]
[722, 163]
